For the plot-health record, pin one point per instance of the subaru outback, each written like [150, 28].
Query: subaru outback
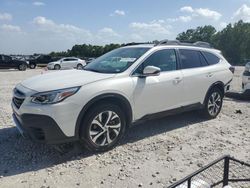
[98, 104]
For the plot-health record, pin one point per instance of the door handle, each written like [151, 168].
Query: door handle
[177, 80]
[209, 75]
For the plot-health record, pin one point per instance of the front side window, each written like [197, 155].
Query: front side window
[191, 59]
[163, 59]
[117, 60]
[7, 58]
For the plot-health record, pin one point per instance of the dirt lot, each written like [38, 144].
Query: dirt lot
[154, 154]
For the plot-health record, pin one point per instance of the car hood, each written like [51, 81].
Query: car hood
[63, 79]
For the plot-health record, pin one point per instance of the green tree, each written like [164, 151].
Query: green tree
[204, 34]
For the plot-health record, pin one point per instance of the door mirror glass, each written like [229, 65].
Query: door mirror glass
[151, 71]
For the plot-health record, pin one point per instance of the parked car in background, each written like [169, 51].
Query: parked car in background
[90, 59]
[246, 79]
[41, 60]
[67, 63]
[97, 104]
[7, 62]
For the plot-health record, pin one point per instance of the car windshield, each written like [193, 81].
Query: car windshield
[116, 61]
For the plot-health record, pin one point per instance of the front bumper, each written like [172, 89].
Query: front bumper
[40, 128]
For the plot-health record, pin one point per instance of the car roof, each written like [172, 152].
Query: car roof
[184, 46]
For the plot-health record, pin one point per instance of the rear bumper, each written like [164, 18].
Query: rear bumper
[40, 128]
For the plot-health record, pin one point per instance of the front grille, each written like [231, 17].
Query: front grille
[18, 98]
[246, 73]
[18, 102]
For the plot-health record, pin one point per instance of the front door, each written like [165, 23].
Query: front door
[155, 94]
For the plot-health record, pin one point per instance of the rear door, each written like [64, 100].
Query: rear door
[66, 63]
[196, 76]
[74, 62]
[7, 62]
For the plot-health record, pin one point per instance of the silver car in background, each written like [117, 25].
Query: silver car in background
[67, 63]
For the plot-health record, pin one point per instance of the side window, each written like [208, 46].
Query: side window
[191, 59]
[67, 59]
[211, 58]
[6, 58]
[47, 58]
[164, 59]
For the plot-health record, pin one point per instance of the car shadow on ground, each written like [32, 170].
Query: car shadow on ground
[19, 155]
[238, 96]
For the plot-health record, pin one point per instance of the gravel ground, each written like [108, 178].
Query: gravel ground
[153, 154]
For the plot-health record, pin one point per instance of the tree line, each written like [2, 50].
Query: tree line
[233, 41]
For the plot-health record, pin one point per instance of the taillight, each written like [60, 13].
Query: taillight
[232, 69]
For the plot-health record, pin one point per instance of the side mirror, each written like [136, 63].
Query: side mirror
[151, 71]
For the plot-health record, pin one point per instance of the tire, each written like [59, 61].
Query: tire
[22, 67]
[96, 133]
[79, 67]
[32, 66]
[213, 103]
[57, 67]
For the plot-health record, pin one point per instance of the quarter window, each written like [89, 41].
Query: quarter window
[164, 59]
[211, 58]
[191, 59]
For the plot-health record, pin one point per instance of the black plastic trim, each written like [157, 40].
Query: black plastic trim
[246, 73]
[41, 128]
[179, 110]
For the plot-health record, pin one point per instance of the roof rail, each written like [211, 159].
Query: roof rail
[177, 42]
[137, 43]
[168, 42]
[203, 44]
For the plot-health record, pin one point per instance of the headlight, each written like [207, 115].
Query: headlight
[52, 97]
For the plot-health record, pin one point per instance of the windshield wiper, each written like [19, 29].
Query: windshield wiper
[93, 70]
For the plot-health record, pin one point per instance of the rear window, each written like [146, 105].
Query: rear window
[191, 59]
[211, 58]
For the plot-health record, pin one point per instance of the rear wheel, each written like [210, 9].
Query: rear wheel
[79, 66]
[22, 67]
[213, 103]
[103, 127]
[57, 67]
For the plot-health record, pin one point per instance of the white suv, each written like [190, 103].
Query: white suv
[246, 80]
[66, 63]
[96, 105]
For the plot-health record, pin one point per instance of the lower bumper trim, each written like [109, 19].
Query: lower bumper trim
[40, 128]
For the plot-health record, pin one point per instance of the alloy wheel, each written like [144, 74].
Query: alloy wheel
[105, 128]
[79, 67]
[214, 103]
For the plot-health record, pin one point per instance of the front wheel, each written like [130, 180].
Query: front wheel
[57, 67]
[103, 127]
[213, 103]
